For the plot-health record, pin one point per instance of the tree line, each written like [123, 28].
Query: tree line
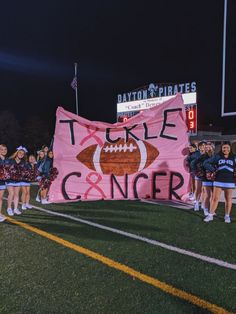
[32, 133]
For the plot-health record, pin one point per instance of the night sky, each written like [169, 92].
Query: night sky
[119, 46]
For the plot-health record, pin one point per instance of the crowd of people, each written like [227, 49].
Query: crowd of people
[17, 173]
[212, 173]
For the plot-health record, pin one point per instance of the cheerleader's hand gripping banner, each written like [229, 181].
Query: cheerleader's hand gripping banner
[143, 157]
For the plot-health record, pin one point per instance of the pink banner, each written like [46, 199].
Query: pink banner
[140, 158]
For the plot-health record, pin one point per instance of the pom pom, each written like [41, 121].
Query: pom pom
[6, 175]
[210, 175]
[46, 181]
[2, 172]
[15, 172]
[53, 173]
[200, 172]
[18, 173]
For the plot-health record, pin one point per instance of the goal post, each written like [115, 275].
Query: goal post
[228, 66]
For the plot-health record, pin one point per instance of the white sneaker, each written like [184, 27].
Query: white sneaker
[196, 207]
[2, 218]
[28, 206]
[206, 212]
[10, 212]
[23, 207]
[227, 219]
[38, 199]
[208, 218]
[191, 196]
[17, 212]
[45, 201]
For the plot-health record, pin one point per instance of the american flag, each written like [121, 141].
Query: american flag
[74, 83]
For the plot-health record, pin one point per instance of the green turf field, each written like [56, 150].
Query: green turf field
[38, 275]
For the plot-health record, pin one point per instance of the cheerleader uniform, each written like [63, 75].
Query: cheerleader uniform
[225, 170]
[18, 182]
[2, 182]
[192, 165]
[196, 165]
[191, 157]
[205, 181]
[28, 167]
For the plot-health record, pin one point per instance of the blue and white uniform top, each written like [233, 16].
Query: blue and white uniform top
[224, 170]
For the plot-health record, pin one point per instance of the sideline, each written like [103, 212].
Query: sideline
[125, 269]
[204, 258]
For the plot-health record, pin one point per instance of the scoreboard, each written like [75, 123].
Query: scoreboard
[191, 118]
[126, 110]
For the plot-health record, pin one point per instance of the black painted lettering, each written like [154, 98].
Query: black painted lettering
[178, 186]
[141, 175]
[154, 187]
[108, 130]
[114, 181]
[146, 137]
[63, 186]
[166, 124]
[71, 125]
[130, 133]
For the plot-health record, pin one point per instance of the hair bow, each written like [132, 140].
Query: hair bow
[22, 148]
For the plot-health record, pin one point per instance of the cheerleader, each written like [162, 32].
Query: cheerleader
[197, 167]
[3, 153]
[45, 149]
[50, 156]
[25, 196]
[207, 185]
[193, 153]
[44, 164]
[40, 161]
[225, 163]
[14, 184]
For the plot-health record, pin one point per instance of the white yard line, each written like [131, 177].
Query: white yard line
[175, 204]
[204, 258]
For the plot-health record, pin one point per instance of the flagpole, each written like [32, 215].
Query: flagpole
[76, 91]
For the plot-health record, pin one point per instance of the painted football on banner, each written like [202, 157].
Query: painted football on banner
[119, 158]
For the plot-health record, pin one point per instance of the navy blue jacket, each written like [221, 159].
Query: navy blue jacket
[191, 159]
[44, 166]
